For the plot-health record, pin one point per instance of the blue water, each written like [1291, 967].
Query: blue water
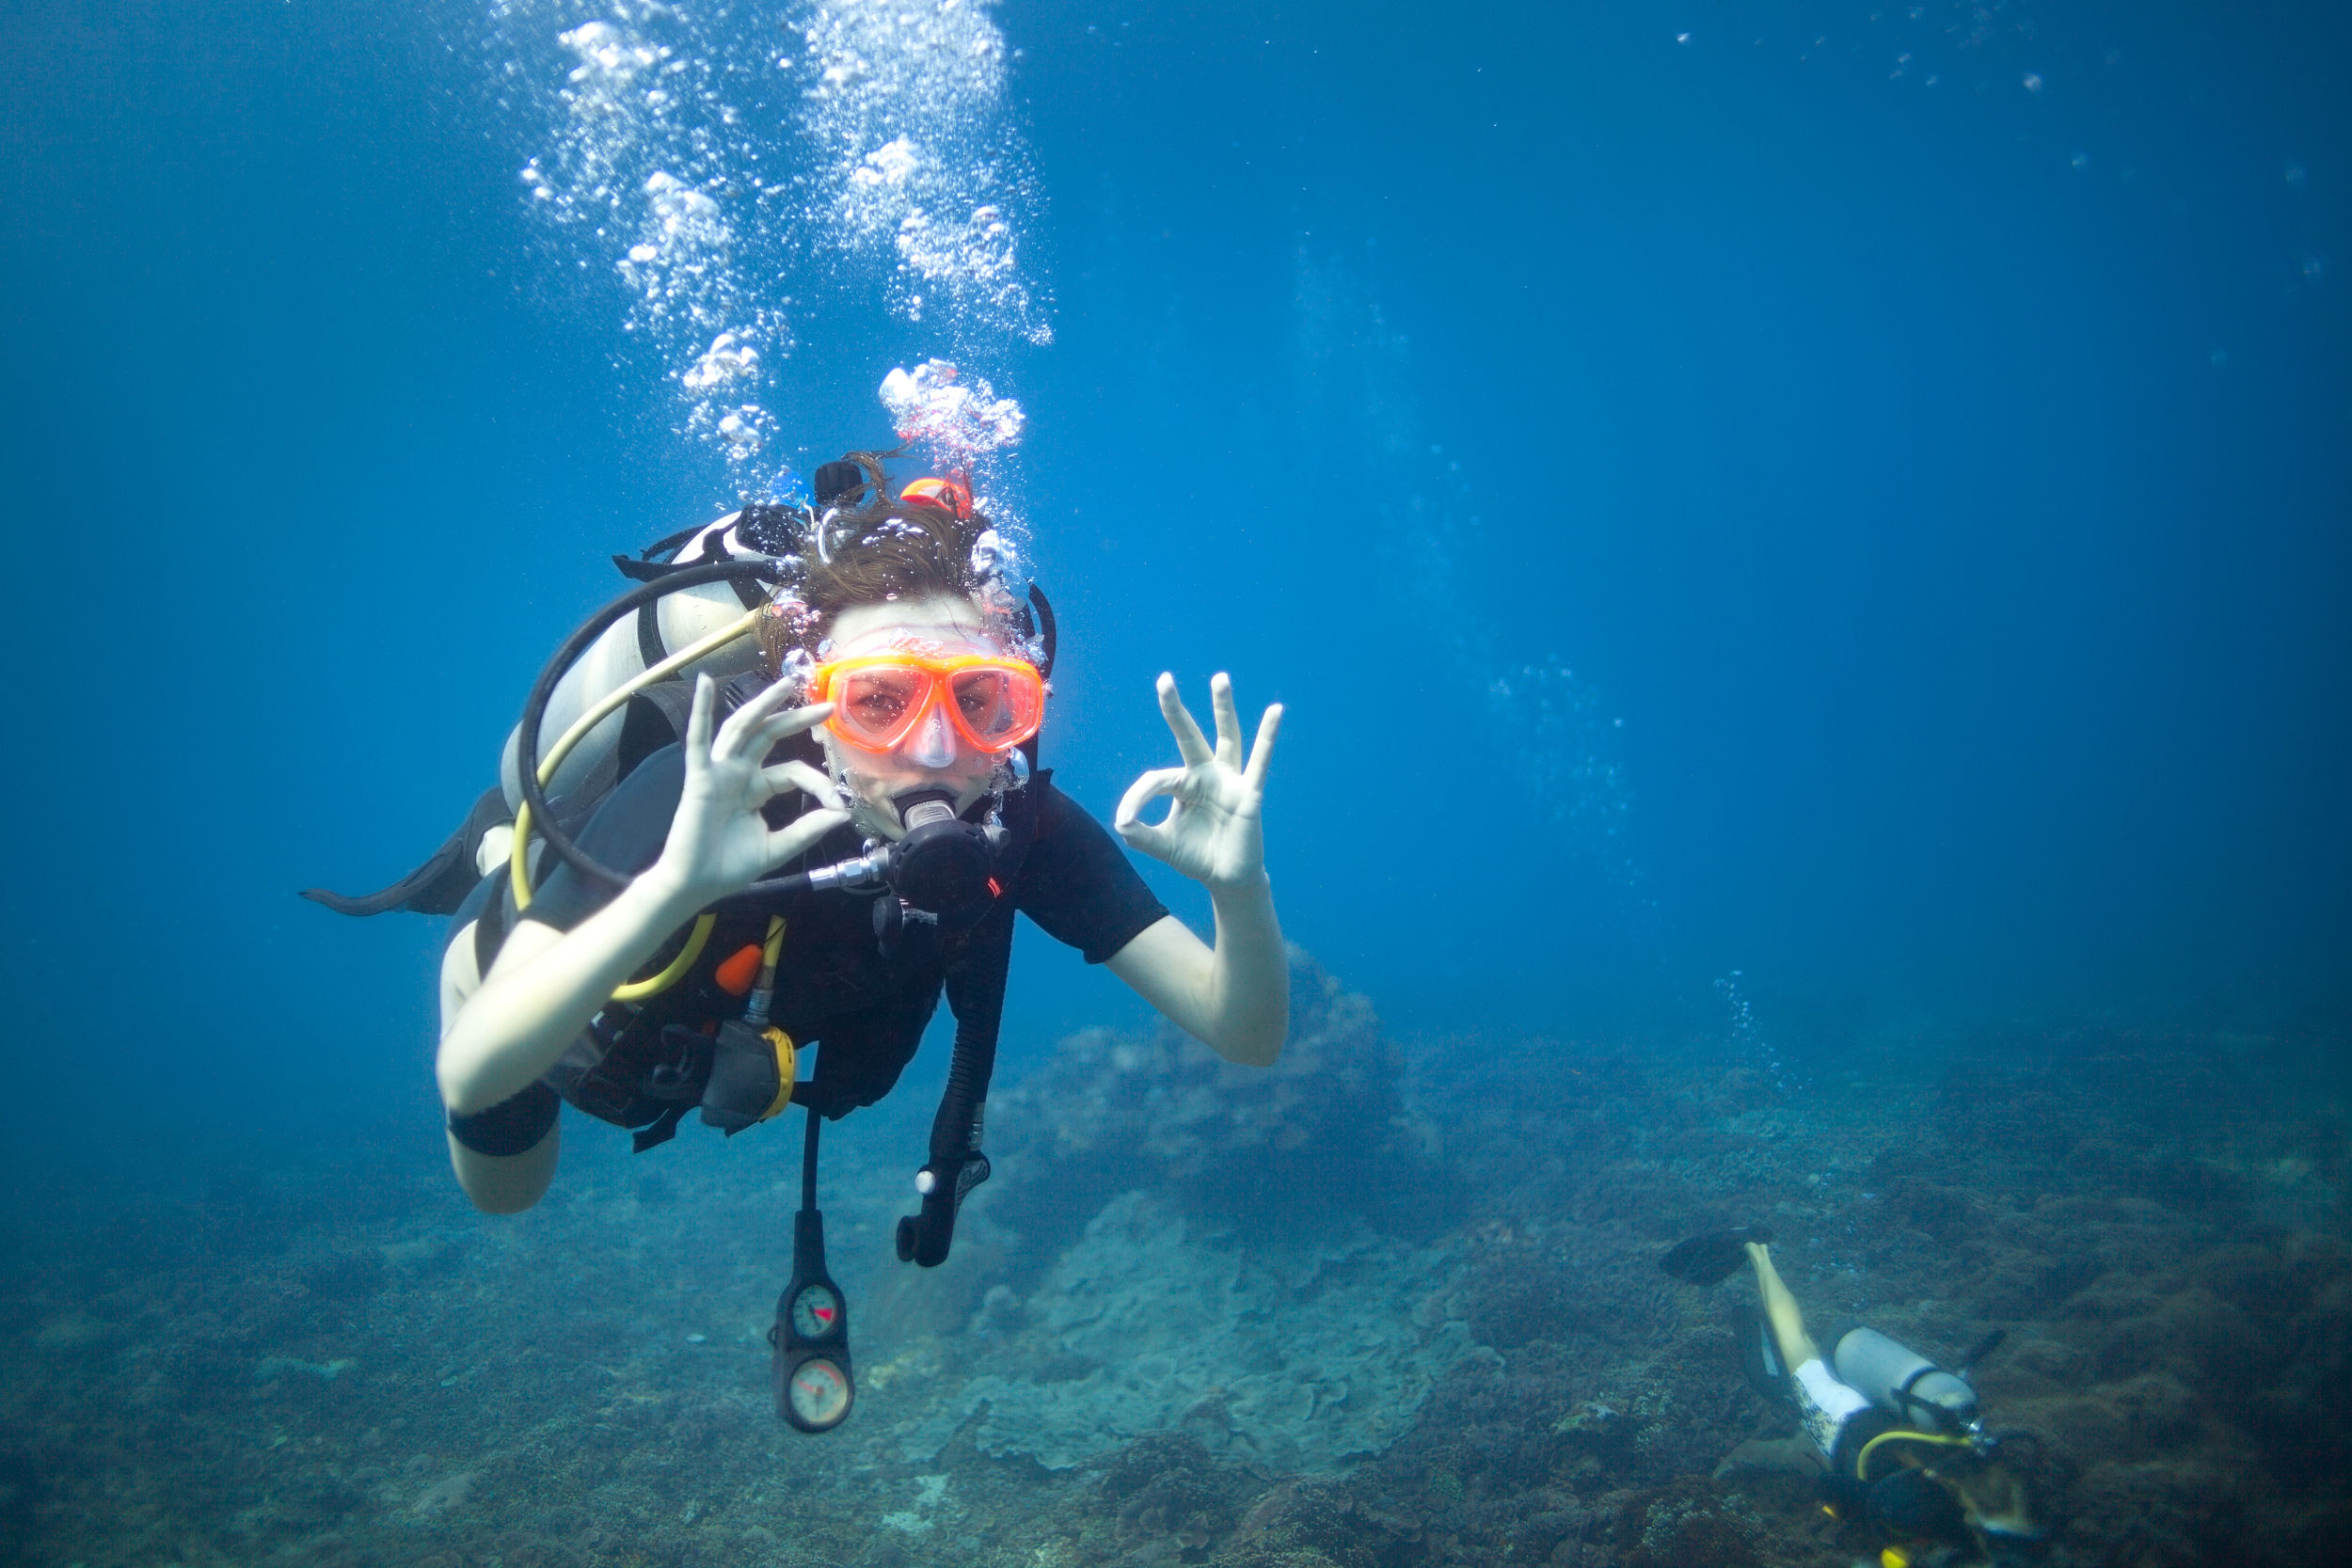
[1937, 492]
[1849, 494]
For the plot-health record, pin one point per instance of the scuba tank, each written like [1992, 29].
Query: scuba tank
[653, 632]
[1904, 1384]
[720, 568]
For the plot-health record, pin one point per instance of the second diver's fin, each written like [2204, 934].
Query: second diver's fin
[1985, 1347]
[1759, 1354]
[1713, 1258]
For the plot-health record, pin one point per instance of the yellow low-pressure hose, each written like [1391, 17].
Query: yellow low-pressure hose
[518, 856]
[764, 989]
[1862, 1460]
[637, 991]
[772, 952]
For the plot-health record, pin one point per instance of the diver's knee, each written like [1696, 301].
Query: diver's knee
[505, 1184]
[502, 1202]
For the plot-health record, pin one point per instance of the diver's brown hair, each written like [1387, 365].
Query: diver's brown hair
[884, 552]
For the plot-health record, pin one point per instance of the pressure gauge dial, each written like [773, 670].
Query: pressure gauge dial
[818, 1393]
[816, 1312]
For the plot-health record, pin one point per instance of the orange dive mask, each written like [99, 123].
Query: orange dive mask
[994, 702]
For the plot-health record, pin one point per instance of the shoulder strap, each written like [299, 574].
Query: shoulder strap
[746, 592]
[668, 544]
[655, 717]
[576, 804]
[649, 644]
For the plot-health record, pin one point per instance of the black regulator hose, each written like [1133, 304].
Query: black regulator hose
[534, 711]
[975, 992]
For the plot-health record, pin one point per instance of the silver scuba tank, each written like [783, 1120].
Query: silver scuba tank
[678, 620]
[1902, 1381]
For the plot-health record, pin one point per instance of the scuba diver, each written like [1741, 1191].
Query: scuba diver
[1899, 1440]
[663, 910]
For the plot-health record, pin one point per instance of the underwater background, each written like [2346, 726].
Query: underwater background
[1807, 549]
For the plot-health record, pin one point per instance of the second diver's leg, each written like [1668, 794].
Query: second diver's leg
[1826, 1407]
[1781, 1310]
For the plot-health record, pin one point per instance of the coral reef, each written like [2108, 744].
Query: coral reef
[1383, 1307]
[1296, 1356]
[1328, 1126]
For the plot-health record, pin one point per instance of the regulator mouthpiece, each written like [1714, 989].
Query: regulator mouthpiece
[920, 808]
[945, 865]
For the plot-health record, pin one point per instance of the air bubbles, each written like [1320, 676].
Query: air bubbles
[610, 59]
[728, 361]
[633, 174]
[960, 421]
[890, 163]
[743, 431]
[916, 162]
[963, 429]
[996, 566]
[655, 163]
[1747, 1038]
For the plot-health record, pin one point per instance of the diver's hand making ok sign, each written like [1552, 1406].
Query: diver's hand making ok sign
[719, 843]
[1212, 832]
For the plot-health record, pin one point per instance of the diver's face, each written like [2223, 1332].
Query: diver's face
[932, 755]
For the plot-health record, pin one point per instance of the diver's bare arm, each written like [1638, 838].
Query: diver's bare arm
[544, 989]
[1235, 998]
[494, 1183]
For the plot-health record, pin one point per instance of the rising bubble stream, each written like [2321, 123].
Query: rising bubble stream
[723, 166]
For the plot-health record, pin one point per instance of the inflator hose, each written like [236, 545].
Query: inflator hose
[976, 993]
[1936, 1439]
[534, 711]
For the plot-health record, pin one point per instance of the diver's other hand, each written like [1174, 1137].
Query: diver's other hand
[719, 843]
[1212, 832]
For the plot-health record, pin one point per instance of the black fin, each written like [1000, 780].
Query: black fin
[1711, 1259]
[441, 883]
[1985, 1347]
[1759, 1354]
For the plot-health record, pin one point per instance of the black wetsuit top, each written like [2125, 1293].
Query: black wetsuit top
[834, 986]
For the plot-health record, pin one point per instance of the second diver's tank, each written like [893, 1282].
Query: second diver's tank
[1902, 1381]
